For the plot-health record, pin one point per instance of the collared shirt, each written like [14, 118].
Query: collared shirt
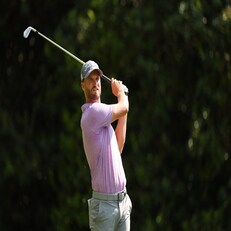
[101, 149]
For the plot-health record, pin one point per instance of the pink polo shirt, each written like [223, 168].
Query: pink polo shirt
[101, 149]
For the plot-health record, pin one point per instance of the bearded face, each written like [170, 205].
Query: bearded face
[92, 87]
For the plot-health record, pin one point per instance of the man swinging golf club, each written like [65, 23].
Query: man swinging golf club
[110, 206]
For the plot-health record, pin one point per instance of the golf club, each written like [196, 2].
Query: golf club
[26, 33]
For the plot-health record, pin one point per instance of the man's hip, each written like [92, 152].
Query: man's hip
[110, 211]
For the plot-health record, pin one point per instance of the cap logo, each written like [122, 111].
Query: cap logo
[88, 67]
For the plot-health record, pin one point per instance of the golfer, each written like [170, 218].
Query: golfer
[110, 206]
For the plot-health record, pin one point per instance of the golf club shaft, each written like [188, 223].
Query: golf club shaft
[67, 52]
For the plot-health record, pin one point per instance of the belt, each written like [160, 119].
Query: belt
[110, 197]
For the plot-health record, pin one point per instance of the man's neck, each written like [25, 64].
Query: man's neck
[93, 100]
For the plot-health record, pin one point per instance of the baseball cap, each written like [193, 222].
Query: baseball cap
[88, 67]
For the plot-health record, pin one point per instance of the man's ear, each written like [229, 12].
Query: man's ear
[82, 85]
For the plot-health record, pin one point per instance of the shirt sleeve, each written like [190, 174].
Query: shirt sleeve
[100, 115]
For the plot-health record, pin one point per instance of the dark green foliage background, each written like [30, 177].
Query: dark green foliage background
[175, 59]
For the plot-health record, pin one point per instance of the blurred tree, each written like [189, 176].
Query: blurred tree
[175, 60]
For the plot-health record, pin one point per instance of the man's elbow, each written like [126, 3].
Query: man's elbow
[119, 110]
[125, 109]
[121, 149]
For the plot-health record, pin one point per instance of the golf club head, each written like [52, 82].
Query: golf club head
[27, 31]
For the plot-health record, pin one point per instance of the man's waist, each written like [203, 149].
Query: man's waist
[110, 197]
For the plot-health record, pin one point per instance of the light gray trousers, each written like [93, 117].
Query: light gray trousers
[109, 215]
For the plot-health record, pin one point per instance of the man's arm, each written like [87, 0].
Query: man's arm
[120, 111]
[120, 132]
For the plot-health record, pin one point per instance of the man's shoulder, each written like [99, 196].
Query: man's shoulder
[96, 109]
[91, 106]
[97, 106]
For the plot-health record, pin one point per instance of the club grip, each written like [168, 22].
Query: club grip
[108, 80]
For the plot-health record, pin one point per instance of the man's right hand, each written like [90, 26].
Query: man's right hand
[117, 87]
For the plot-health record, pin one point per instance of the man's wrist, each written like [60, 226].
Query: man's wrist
[120, 93]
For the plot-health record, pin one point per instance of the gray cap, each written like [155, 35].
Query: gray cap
[88, 67]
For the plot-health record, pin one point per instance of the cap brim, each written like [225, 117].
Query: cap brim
[89, 72]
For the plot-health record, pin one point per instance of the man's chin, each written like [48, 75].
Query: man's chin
[95, 96]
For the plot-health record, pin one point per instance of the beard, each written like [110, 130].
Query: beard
[94, 93]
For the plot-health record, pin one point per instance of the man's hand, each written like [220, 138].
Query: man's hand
[117, 87]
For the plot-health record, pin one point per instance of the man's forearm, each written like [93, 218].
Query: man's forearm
[123, 100]
[120, 132]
